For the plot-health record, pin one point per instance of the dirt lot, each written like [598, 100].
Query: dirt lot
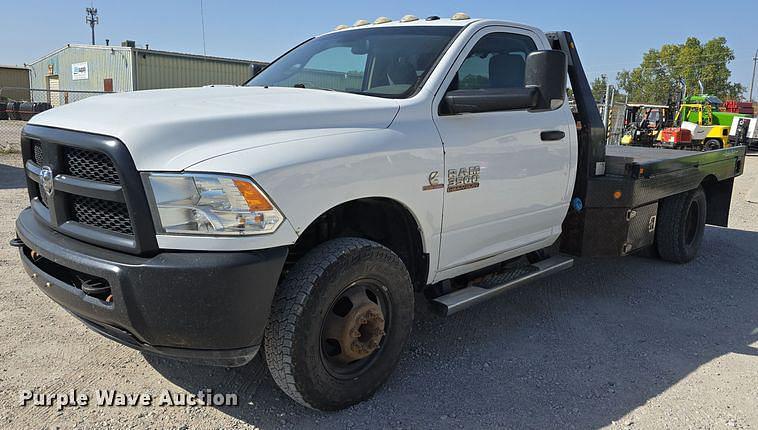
[625, 343]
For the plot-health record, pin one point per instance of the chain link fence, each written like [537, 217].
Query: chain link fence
[616, 123]
[615, 128]
[15, 111]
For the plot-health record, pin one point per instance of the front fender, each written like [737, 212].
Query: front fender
[307, 177]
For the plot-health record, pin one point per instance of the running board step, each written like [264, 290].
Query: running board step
[476, 293]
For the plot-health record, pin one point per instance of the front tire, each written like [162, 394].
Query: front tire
[339, 322]
[681, 224]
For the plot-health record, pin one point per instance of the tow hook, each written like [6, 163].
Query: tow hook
[16, 243]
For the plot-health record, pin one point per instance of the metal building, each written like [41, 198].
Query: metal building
[14, 82]
[129, 68]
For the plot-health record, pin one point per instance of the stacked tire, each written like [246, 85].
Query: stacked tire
[25, 111]
[28, 109]
[11, 110]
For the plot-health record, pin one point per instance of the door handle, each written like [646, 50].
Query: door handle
[552, 135]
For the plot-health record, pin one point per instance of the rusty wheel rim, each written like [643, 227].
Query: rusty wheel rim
[354, 328]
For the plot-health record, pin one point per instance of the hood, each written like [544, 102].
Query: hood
[176, 128]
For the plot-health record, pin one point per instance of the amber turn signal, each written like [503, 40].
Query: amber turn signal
[255, 200]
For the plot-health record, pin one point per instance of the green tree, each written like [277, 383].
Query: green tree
[658, 76]
[598, 86]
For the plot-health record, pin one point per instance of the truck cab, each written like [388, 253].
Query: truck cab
[307, 209]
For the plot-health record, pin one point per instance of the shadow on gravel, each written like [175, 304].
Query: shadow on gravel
[579, 350]
[11, 177]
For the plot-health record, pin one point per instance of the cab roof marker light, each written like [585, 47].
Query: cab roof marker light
[409, 18]
[460, 16]
[382, 20]
[360, 23]
[341, 27]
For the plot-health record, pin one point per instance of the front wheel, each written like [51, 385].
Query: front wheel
[339, 322]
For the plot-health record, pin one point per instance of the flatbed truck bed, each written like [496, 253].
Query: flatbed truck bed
[648, 162]
[618, 214]
[618, 189]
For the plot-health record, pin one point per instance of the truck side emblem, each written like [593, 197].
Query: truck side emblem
[464, 178]
[434, 183]
[46, 179]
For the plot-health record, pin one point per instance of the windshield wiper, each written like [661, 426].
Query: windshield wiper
[301, 85]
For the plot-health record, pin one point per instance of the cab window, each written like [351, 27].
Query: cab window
[498, 60]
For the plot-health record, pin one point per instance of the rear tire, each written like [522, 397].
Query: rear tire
[341, 292]
[681, 223]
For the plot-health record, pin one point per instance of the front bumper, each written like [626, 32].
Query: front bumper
[204, 307]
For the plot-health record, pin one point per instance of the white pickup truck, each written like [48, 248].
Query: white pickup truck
[303, 211]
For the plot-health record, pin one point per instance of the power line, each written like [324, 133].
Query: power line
[752, 80]
[628, 63]
[664, 67]
[678, 65]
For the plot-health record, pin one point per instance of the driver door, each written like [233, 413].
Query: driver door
[507, 189]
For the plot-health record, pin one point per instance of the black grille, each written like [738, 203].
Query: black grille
[74, 204]
[112, 216]
[39, 158]
[91, 165]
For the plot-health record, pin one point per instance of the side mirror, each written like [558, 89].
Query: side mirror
[546, 71]
[488, 100]
[544, 89]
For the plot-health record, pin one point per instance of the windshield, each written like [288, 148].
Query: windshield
[385, 62]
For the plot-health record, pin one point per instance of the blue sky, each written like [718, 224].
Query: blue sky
[609, 35]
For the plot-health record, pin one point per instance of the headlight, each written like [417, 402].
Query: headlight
[210, 205]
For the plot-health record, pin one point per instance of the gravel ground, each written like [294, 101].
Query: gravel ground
[621, 343]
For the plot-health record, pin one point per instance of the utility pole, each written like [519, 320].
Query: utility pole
[752, 81]
[92, 19]
[606, 100]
